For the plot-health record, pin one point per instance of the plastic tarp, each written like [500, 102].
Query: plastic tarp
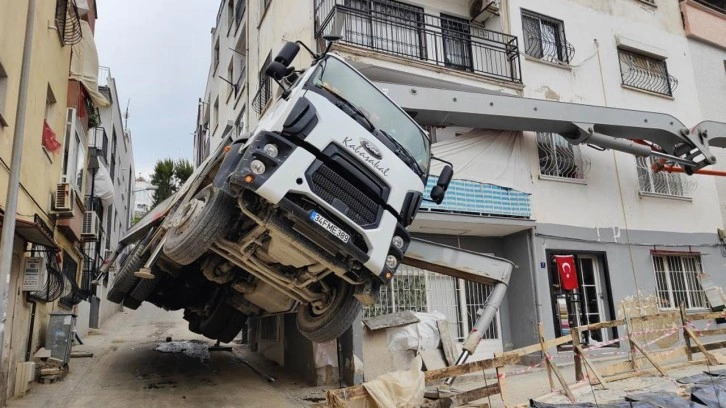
[399, 389]
[84, 65]
[326, 354]
[103, 186]
[420, 336]
[487, 156]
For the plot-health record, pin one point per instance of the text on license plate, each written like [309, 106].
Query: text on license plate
[330, 227]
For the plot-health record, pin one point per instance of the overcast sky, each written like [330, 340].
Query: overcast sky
[159, 52]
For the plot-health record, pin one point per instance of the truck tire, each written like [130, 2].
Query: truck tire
[125, 280]
[143, 289]
[334, 320]
[235, 325]
[218, 318]
[202, 220]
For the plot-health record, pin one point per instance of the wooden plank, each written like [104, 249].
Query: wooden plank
[684, 322]
[351, 393]
[618, 377]
[538, 347]
[648, 356]
[628, 330]
[390, 320]
[618, 367]
[335, 401]
[472, 367]
[465, 397]
[705, 315]
[602, 325]
[712, 332]
[579, 350]
[540, 331]
[655, 317]
[710, 346]
[709, 357]
[575, 332]
[503, 387]
[447, 341]
[560, 378]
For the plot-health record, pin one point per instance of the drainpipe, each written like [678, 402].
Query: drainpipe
[11, 203]
[533, 259]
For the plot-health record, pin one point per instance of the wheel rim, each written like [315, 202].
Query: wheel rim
[316, 310]
[190, 212]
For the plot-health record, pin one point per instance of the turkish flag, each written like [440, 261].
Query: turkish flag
[568, 273]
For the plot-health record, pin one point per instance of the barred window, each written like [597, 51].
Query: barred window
[419, 290]
[662, 182]
[559, 158]
[544, 38]
[646, 73]
[677, 280]
[264, 91]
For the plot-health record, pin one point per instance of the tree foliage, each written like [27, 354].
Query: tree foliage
[168, 176]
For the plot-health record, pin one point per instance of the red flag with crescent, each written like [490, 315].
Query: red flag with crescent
[568, 273]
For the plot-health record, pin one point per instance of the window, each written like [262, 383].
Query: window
[74, 151]
[419, 290]
[387, 26]
[3, 95]
[677, 280]
[457, 42]
[264, 92]
[239, 124]
[67, 22]
[662, 182]
[718, 5]
[544, 38]
[646, 73]
[215, 114]
[215, 55]
[230, 14]
[112, 164]
[559, 158]
[230, 78]
[49, 142]
[239, 11]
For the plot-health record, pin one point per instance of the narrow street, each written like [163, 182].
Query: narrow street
[126, 370]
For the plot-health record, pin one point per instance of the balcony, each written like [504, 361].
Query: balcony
[466, 197]
[705, 20]
[406, 31]
[98, 139]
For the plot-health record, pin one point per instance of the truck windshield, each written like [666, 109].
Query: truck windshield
[338, 78]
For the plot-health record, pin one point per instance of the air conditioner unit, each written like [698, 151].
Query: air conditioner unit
[482, 10]
[63, 201]
[91, 226]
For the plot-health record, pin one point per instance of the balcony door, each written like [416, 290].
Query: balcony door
[457, 43]
[386, 26]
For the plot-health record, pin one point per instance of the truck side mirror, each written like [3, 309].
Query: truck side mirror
[287, 54]
[442, 184]
[276, 71]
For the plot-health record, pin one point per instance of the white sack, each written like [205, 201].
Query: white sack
[399, 389]
[326, 354]
[420, 336]
[487, 156]
[84, 65]
[103, 186]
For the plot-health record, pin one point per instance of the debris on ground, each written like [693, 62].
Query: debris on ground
[192, 348]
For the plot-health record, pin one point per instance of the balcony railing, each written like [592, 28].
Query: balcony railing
[239, 85]
[473, 198]
[263, 96]
[404, 31]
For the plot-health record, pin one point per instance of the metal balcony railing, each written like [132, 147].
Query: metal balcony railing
[263, 96]
[405, 31]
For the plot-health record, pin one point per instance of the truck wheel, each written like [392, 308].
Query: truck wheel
[235, 325]
[125, 280]
[218, 318]
[202, 220]
[328, 323]
[143, 289]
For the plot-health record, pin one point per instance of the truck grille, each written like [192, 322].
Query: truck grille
[335, 189]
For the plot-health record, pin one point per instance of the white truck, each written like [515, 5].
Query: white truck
[307, 213]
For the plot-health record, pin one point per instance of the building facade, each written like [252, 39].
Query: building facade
[54, 226]
[525, 196]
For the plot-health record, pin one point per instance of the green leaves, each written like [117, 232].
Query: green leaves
[169, 175]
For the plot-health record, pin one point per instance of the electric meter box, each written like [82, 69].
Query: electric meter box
[35, 274]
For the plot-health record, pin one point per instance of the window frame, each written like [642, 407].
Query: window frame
[563, 53]
[578, 172]
[450, 35]
[674, 189]
[3, 95]
[685, 281]
[625, 54]
[72, 160]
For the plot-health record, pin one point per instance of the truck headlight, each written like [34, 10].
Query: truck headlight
[397, 242]
[257, 167]
[391, 262]
[270, 150]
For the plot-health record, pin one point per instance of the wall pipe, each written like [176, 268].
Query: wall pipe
[11, 203]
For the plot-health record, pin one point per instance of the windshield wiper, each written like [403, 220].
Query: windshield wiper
[401, 149]
[350, 106]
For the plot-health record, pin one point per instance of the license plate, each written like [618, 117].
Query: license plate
[330, 227]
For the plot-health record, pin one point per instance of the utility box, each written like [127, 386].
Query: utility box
[35, 274]
[59, 338]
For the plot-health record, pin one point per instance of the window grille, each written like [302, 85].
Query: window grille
[559, 158]
[677, 280]
[264, 93]
[67, 22]
[646, 73]
[419, 290]
[662, 182]
[544, 38]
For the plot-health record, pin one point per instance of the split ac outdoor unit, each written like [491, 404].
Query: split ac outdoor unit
[91, 226]
[481, 10]
[63, 201]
